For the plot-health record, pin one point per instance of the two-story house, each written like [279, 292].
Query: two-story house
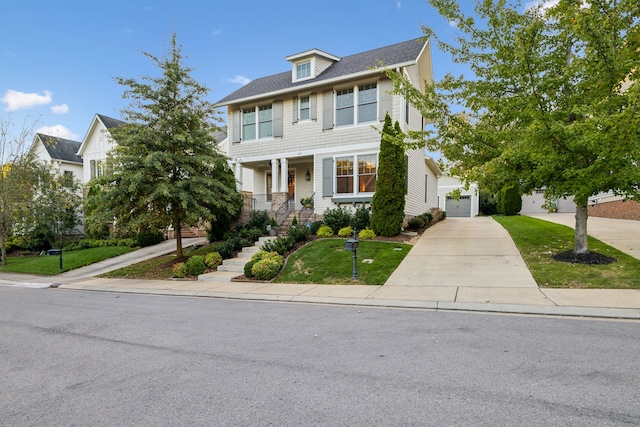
[314, 131]
[60, 153]
[96, 145]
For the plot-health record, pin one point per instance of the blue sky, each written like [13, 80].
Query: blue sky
[58, 58]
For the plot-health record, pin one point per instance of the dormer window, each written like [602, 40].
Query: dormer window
[303, 70]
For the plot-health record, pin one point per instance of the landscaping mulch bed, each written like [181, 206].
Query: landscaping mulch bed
[588, 258]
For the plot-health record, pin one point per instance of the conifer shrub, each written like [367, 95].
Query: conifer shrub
[509, 201]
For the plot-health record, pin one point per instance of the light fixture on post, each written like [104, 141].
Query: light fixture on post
[307, 176]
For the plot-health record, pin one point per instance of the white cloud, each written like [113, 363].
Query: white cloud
[216, 32]
[398, 5]
[18, 100]
[239, 79]
[58, 131]
[453, 24]
[541, 4]
[60, 109]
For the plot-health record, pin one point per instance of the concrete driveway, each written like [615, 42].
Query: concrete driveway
[464, 252]
[622, 234]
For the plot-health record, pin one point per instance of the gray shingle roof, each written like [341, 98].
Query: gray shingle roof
[398, 53]
[109, 122]
[61, 149]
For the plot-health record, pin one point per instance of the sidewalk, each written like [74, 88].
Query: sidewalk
[459, 264]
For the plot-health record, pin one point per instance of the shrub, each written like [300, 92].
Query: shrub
[426, 217]
[415, 223]
[366, 234]
[247, 268]
[294, 222]
[280, 245]
[127, 242]
[488, 203]
[254, 234]
[315, 226]
[148, 238]
[267, 269]
[299, 234]
[225, 249]
[345, 232]
[509, 201]
[361, 218]
[258, 219]
[213, 259]
[337, 218]
[437, 214]
[196, 265]
[259, 255]
[180, 270]
[325, 231]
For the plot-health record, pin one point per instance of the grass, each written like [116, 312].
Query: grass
[48, 265]
[325, 261]
[537, 240]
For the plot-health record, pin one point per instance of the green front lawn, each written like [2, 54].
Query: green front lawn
[48, 265]
[537, 240]
[325, 261]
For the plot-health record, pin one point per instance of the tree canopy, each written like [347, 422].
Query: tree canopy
[165, 169]
[553, 103]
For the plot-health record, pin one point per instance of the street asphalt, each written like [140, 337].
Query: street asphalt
[468, 264]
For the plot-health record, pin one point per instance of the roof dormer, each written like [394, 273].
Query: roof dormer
[309, 64]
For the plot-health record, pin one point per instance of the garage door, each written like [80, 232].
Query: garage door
[458, 208]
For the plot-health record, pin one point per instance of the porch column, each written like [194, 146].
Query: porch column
[284, 175]
[274, 176]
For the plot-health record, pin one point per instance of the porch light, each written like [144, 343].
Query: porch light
[307, 176]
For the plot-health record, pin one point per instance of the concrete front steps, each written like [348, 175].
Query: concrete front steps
[234, 267]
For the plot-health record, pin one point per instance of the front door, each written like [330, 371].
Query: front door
[291, 185]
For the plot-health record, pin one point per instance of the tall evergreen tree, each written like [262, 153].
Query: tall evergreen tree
[166, 169]
[387, 206]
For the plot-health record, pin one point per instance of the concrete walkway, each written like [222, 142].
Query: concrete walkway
[466, 264]
[622, 234]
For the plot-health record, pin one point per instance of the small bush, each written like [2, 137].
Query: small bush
[345, 232]
[488, 203]
[366, 234]
[315, 226]
[196, 265]
[267, 269]
[247, 268]
[509, 201]
[299, 234]
[254, 234]
[361, 218]
[325, 231]
[225, 249]
[337, 218]
[127, 242]
[426, 217]
[259, 255]
[415, 223]
[180, 270]
[280, 245]
[148, 238]
[294, 222]
[213, 259]
[258, 219]
[437, 214]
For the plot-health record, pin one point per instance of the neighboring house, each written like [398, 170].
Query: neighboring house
[96, 145]
[60, 153]
[533, 203]
[467, 205]
[314, 131]
[608, 205]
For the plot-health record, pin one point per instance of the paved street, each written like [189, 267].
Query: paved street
[87, 358]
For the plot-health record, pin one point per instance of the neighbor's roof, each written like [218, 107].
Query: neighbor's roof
[109, 122]
[395, 55]
[61, 149]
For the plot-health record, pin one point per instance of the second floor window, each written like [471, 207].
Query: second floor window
[249, 124]
[304, 108]
[257, 123]
[265, 118]
[357, 105]
[303, 70]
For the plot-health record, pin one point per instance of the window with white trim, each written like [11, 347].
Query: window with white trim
[357, 105]
[303, 70]
[265, 118]
[304, 108]
[351, 180]
[249, 124]
[257, 122]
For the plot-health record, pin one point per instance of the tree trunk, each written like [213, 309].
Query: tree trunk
[178, 228]
[581, 245]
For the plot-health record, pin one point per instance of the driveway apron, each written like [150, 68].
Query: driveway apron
[464, 252]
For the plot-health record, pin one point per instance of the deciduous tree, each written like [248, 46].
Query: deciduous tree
[553, 103]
